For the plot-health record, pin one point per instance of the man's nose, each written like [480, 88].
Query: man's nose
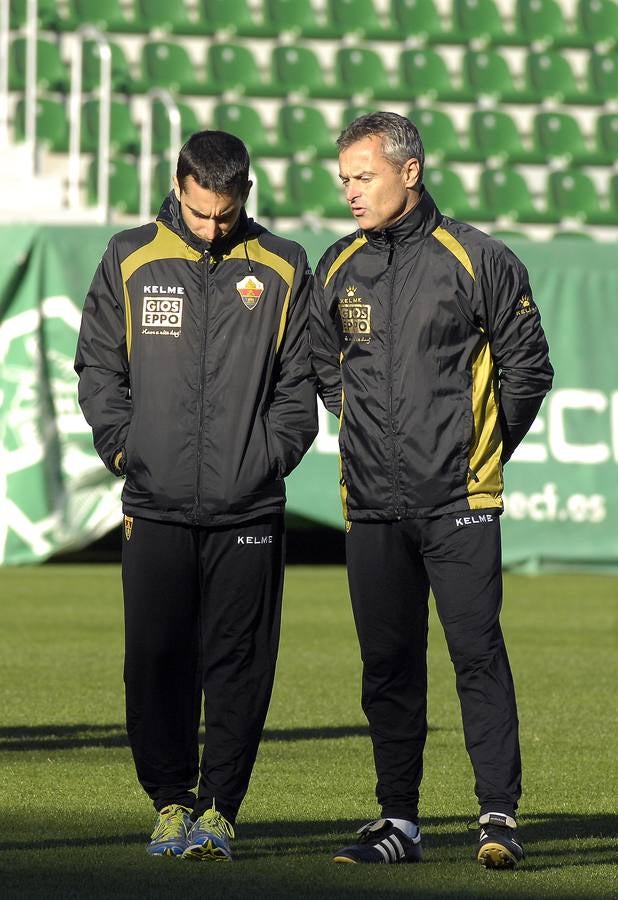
[211, 230]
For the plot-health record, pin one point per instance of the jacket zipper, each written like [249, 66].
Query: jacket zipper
[200, 420]
[389, 368]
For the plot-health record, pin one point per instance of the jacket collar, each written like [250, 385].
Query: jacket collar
[171, 216]
[415, 225]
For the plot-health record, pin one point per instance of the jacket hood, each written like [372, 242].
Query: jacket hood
[171, 216]
[424, 218]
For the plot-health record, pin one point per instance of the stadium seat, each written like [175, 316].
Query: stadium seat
[487, 74]
[246, 123]
[506, 194]
[559, 136]
[361, 72]
[298, 71]
[52, 73]
[267, 203]
[423, 72]
[168, 65]
[232, 18]
[440, 138]
[574, 196]
[123, 185]
[161, 183]
[303, 129]
[477, 23]
[311, 189]
[361, 19]
[353, 111]
[122, 77]
[107, 15]
[163, 16]
[420, 20]
[497, 137]
[606, 132]
[189, 124]
[52, 124]
[452, 198]
[124, 134]
[232, 67]
[598, 22]
[603, 77]
[299, 18]
[49, 15]
[542, 23]
[550, 75]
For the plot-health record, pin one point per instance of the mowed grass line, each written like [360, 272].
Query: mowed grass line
[75, 821]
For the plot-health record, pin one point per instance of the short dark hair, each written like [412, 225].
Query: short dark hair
[218, 161]
[400, 140]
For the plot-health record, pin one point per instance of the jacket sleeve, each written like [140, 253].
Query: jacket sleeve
[102, 363]
[519, 348]
[292, 412]
[325, 352]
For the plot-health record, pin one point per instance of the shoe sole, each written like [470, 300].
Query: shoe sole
[206, 852]
[344, 859]
[168, 852]
[496, 856]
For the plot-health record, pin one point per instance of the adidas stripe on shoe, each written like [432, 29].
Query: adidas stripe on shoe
[381, 842]
[499, 846]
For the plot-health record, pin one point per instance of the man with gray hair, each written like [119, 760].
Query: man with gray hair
[428, 347]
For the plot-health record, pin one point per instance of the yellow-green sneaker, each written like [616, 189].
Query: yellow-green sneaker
[210, 838]
[170, 835]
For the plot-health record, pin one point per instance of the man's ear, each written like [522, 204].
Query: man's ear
[411, 171]
[176, 187]
[246, 193]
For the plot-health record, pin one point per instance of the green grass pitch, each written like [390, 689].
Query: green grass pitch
[74, 821]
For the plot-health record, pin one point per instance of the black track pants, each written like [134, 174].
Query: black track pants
[202, 617]
[391, 567]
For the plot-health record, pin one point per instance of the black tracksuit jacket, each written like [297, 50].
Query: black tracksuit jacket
[193, 363]
[428, 345]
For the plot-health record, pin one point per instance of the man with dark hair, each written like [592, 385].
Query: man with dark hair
[194, 374]
[428, 347]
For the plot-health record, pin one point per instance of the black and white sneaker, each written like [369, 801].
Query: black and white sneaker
[382, 842]
[499, 846]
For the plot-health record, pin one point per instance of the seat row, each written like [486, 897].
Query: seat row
[295, 69]
[311, 188]
[480, 21]
[301, 130]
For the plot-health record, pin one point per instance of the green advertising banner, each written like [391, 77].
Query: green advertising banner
[561, 497]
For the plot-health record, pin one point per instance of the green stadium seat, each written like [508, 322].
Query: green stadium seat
[298, 18]
[107, 15]
[419, 19]
[246, 123]
[574, 196]
[49, 15]
[440, 137]
[497, 137]
[476, 22]
[232, 18]
[606, 132]
[52, 73]
[451, 196]
[361, 72]
[161, 183]
[361, 19]
[487, 74]
[124, 133]
[163, 16]
[52, 124]
[122, 76]
[542, 23]
[168, 65]
[354, 111]
[423, 72]
[304, 130]
[603, 77]
[598, 22]
[559, 136]
[297, 70]
[123, 184]
[312, 189]
[551, 76]
[189, 124]
[268, 205]
[505, 193]
[233, 68]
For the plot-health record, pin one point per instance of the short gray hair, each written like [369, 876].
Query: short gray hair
[400, 140]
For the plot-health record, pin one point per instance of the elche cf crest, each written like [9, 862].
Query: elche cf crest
[250, 290]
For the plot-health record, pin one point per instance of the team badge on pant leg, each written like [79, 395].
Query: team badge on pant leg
[250, 289]
[128, 527]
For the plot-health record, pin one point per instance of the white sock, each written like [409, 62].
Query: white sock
[409, 828]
